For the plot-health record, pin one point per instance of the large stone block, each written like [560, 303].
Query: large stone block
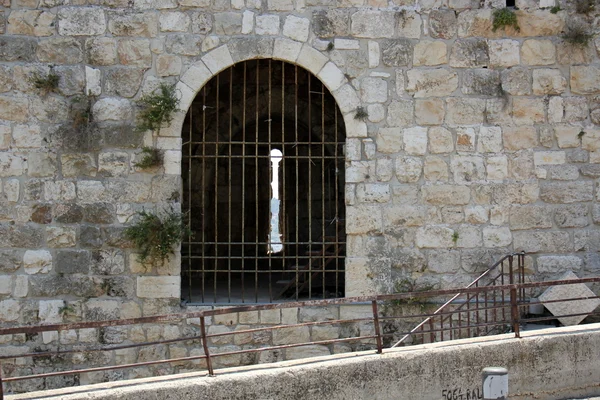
[530, 217]
[548, 81]
[408, 169]
[31, 23]
[156, 287]
[81, 21]
[373, 24]
[15, 48]
[567, 192]
[434, 237]
[431, 83]
[469, 53]
[136, 24]
[331, 22]
[446, 194]
[464, 111]
[442, 24]
[400, 113]
[538, 52]
[543, 242]
[552, 294]
[397, 52]
[585, 79]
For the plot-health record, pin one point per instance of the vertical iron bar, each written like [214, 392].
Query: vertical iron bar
[503, 299]
[205, 345]
[229, 185]
[336, 199]
[431, 332]
[271, 177]
[256, 172]
[441, 328]
[1, 385]
[243, 183]
[515, 311]
[323, 220]
[297, 202]
[216, 185]
[204, 188]
[309, 164]
[477, 311]
[377, 328]
[283, 200]
[459, 323]
[189, 204]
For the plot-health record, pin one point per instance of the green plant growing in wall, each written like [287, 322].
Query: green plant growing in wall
[151, 157]
[155, 236]
[407, 285]
[577, 33]
[45, 83]
[504, 17]
[361, 114]
[455, 237]
[580, 134]
[66, 310]
[158, 107]
[555, 9]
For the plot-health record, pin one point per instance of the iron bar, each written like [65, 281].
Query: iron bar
[377, 328]
[205, 346]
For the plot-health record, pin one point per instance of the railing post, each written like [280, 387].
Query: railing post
[1, 385]
[377, 328]
[514, 306]
[205, 345]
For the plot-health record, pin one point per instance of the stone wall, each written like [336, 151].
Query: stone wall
[477, 143]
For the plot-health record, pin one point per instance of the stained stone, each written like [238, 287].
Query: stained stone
[557, 308]
[15, 48]
[469, 53]
[60, 51]
[397, 52]
[331, 23]
[442, 24]
[123, 82]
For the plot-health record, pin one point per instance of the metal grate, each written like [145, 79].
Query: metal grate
[263, 176]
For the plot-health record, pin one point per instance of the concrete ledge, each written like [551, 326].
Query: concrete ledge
[545, 364]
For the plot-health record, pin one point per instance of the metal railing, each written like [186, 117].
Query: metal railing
[447, 318]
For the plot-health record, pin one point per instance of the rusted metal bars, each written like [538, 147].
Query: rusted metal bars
[377, 327]
[205, 346]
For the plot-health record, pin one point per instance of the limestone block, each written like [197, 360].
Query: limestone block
[280, 5]
[497, 168]
[409, 25]
[331, 22]
[519, 138]
[434, 237]
[591, 141]
[576, 109]
[267, 25]
[373, 24]
[114, 163]
[538, 52]
[331, 76]
[247, 22]
[530, 217]
[27, 136]
[404, 215]
[543, 242]
[363, 219]
[295, 353]
[539, 23]
[549, 158]
[374, 90]
[202, 22]
[37, 262]
[408, 169]
[569, 307]
[123, 82]
[374, 54]
[9, 310]
[14, 108]
[435, 169]
[431, 83]
[134, 52]
[311, 59]
[469, 53]
[384, 169]
[442, 24]
[572, 216]
[446, 194]
[81, 21]
[373, 193]
[496, 236]
[585, 79]
[396, 52]
[31, 23]
[101, 51]
[400, 113]
[440, 140]
[490, 139]
[11, 165]
[567, 192]
[567, 136]
[548, 81]
[59, 191]
[430, 53]
[183, 44]
[5, 137]
[21, 286]
[415, 140]
[357, 171]
[17, 49]
[516, 81]
[296, 28]
[49, 311]
[464, 111]
[558, 264]
[444, 262]
[59, 236]
[174, 22]
[300, 334]
[228, 23]
[429, 111]
[467, 168]
[528, 111]
[504, 53]
[481, 81]
[144, 24]
[156, 287]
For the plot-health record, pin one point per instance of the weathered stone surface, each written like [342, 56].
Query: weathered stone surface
[373, 24]
[530, 217]
[572, 216]
[528, 111]
[516, 81]
[408, 169]
[73, 261]
[519, 138]
[17, 49]
[469, 53]
[396, 52]
[415, 140]
[81, 21]
[446, 194]
[124, 82]
[543, 242]
[228, 23]
[128, 23]
[440, 140]
[566, 192]
[538, 52]
[409, 24]
[464, 111]
[481, 81]
[101, 51]
[112, 109]
[21, 236]
[400, 113]
[365, 219]
[331, 22]
[442, 24]
[585, 79]
[374, 90]
[183, 44]
[134, 52]
[558, 308]
[539, 23]
[558, 264]
[548, 81]
[429, 111]
[31, 22]
[37, 262]
[434, 82]
[430, 53]
[434, 237]
[504, 53]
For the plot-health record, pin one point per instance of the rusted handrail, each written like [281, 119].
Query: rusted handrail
[513, 321]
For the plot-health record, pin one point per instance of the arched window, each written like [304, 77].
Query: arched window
[263, 182]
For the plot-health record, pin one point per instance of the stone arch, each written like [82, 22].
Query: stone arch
[301, 54]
